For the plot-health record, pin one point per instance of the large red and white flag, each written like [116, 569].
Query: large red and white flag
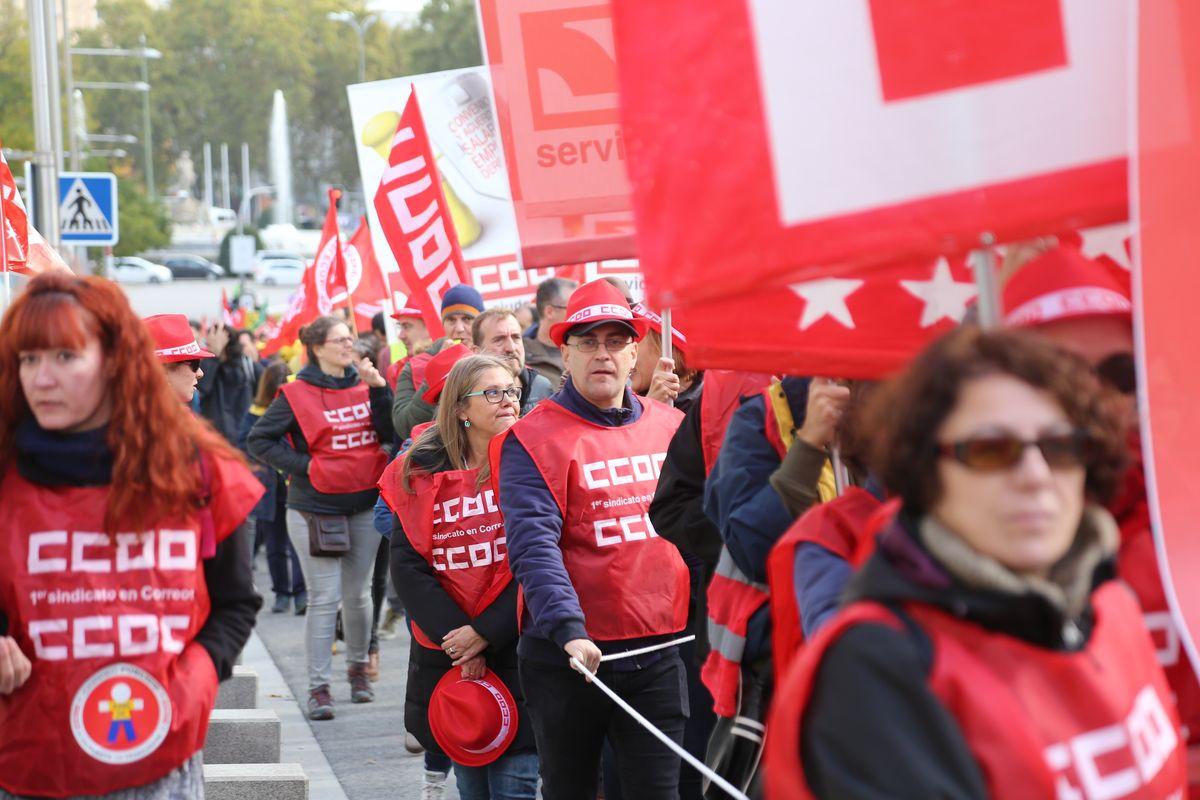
[773, 142]
[363, 273]
[1166, 289]
[15, 220]
[415, 219]
[312, 299]
[864, 324]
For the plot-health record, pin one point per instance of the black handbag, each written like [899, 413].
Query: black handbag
[328, 534]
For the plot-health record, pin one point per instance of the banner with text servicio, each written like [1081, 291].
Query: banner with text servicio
[786, 141]
[554, 78]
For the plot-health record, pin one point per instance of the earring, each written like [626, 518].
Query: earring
[466, 423]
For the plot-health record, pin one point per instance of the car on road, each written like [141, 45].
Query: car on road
[189, 266]
[133, 269]
[263, 258]
[282, 272]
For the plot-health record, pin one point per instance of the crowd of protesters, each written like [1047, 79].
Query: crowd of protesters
[939, 585]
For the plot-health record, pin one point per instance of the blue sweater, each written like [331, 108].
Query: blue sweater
[533, 525]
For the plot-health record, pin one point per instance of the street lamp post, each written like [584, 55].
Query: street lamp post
[360, 27]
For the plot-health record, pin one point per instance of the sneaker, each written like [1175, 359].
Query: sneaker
[301, 601]
[412, 745]
[433, 787]
[320, 703]
[282, 604]
[373, 666]
[387, 629]
[360, 684]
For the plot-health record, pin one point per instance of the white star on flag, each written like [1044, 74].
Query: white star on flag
[826, 297]
[944, 297]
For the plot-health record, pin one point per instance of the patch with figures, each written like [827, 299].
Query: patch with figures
[120, 715]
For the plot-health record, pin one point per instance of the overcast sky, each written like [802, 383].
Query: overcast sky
[396, 10]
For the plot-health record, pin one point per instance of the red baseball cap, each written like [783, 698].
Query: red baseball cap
[473, 721]
[655, 322]
[438, 368]
[595, 304]
[407, 312]
[1063, 283]
[174, 340]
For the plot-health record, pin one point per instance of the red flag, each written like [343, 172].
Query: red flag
[370, 285]
[15, 221]
[416, 220]
[226, 310]
[1166, 288]
[861, 324]
[312, 299]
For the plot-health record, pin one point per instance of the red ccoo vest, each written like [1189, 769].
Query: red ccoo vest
[720, 396]
[458, 528]
[120, 693]
[346, 456]
[1094, 725]
[845, 526]
[630, 582]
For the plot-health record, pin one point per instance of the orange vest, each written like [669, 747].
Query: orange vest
[120, 693]
[346, 456]
[458, 528]
[630, 583]
[1097, 724]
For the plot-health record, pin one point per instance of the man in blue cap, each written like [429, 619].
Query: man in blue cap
[461, 304]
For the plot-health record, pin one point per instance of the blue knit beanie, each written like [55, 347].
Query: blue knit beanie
[462, 299]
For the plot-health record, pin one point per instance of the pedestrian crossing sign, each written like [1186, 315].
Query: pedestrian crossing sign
[87, 208]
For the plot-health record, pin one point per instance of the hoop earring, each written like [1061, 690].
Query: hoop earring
[466, 423]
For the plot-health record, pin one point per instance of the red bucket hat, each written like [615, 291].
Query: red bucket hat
[655, 322]
[438, 369]
[173, 339]
[400, 313]
[473, 722]
[1063, 283]
[594, 304]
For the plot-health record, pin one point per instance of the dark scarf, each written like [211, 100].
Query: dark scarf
[49, 458]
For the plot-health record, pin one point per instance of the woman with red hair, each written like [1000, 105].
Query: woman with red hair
[123, 601]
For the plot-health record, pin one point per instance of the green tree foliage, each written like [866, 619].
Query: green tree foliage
[222, 62]
[144, 223]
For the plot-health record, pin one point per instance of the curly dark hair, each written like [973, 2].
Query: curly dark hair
[905, 414]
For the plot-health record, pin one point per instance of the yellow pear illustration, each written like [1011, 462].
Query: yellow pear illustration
[378, 133]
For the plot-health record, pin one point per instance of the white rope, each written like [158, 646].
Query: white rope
[650, 649]
[696, 763]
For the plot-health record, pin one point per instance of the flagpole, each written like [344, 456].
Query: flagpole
[983, 262]
[4, 254]
[668, 344]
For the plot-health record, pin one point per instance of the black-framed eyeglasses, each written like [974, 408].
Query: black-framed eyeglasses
[342, 340]
[493, 395]
[590, 344]
[991, 453]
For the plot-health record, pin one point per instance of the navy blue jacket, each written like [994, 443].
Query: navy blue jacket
[533, 525]
[739, 499]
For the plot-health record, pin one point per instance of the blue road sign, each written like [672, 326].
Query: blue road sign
[87, 208]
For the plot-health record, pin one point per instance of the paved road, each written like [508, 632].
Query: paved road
[196, 298]
[364, 743]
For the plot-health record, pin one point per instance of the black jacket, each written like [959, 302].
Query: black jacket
[874, 728]
[277, 441]
[436, 613]
[226, 392]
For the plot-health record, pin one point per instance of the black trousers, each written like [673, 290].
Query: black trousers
[572, 719]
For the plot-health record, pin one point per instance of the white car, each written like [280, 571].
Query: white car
[132, 269]
[282, 272]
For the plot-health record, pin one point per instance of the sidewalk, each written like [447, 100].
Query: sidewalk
[360, 753]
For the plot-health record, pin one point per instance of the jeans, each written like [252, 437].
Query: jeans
[381, 589]
[436, 762]
[512, 777]
[572, 720]
[287, 577]
[331, 581]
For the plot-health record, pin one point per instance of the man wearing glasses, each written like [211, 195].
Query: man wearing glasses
[575, 481]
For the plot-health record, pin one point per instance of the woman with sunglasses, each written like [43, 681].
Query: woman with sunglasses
[449, 562]
[124, 596]
[326, 430]
[985, 650]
